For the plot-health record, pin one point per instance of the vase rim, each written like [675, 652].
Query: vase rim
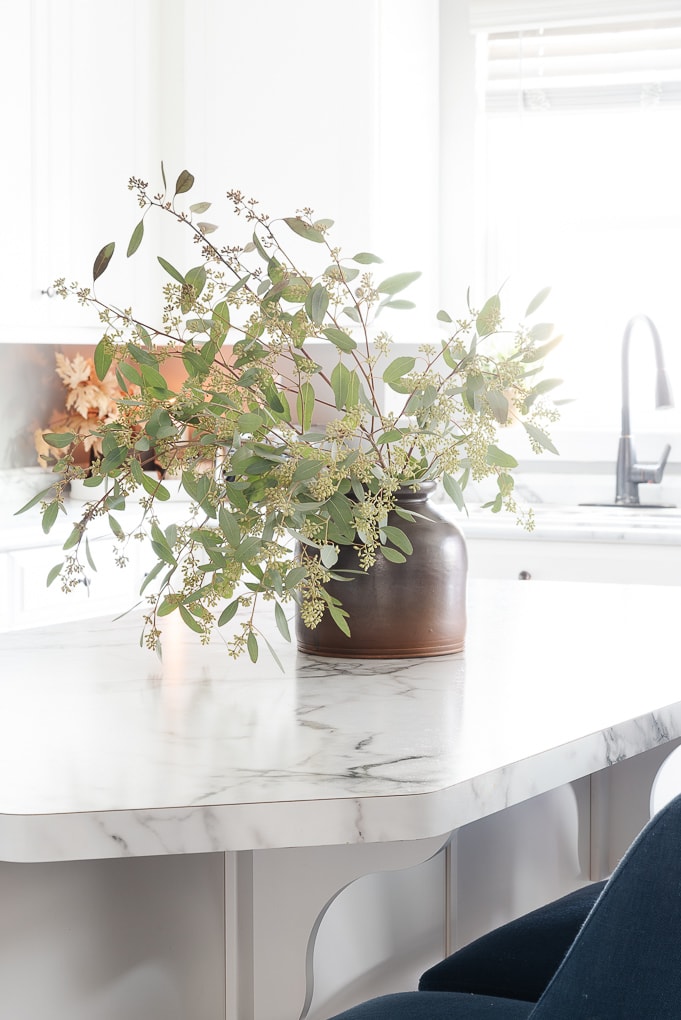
[424, 490]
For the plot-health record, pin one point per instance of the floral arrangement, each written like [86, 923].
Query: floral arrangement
[90, 403]
[284, 460]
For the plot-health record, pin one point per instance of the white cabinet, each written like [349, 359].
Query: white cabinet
[77, 81]
[109, 589]
[616, 562]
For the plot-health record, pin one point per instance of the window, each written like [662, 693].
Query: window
[582, 191]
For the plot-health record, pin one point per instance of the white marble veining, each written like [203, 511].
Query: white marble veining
[106, 752]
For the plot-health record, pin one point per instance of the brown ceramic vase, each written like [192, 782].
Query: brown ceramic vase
[400, 610]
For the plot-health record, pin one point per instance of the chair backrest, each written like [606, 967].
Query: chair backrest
[625, 964]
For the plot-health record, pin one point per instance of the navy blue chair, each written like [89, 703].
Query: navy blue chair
[622, 963]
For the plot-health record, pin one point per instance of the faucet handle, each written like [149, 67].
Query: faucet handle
[651, 472]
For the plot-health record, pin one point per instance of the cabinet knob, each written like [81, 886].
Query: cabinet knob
[49, 291]
[524, 575]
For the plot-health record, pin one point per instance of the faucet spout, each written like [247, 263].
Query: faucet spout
[630, 473]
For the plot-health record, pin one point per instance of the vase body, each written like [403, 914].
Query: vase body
[400, 610]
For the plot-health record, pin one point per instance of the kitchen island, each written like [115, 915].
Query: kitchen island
[105, 752]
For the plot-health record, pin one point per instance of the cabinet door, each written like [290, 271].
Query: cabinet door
[108, 590]
[79, 123]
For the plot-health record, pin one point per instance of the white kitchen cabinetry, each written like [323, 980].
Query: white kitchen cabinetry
[78, 125]
[525, 559]
[108, 589]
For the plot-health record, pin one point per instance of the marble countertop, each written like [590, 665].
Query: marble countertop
[106, 752]
[644, 525]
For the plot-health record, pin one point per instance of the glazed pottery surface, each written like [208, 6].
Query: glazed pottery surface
[400, 610]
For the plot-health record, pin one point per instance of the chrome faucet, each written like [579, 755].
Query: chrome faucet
[630, 473]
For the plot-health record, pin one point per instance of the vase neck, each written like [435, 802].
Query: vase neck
[405, 494]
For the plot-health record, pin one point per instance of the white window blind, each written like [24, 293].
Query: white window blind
[578, 170]
[504, 15]
[588, 66]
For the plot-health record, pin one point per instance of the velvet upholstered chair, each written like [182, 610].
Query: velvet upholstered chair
[622, 963]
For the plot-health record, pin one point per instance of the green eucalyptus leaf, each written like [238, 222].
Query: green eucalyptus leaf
[151, 575]
[391, 436]
[200, 207]
[252, 646]
[103, 259]
[167, 607]
[229, 526]
[545, 386]
[398, 368]
[317, 303]
[365, 258]
[443, 316]
[163, 552]
[130, 373]
[103, 358]
[199, 325]
[73, 539]
[497, 458]
[115, 527]
[184, 182]
[394, 284]
[305, 405]
[196, 280]
[248, 549]
[540, 437]
[537, 353]
[303, 229]
[328, 555]
[537, 300]
[340, 339]
[189, 621]
[34, 500]
[59, 440]
[453, 490]
[306, 469]
[88, 556]
[152, 378]
[50, 514]
[239, 285]
[228, 613]
[155, 487]
[488, 319]
[171, 270]
[136, 238]
[221, 323]
[393, 554]
[499, 405]
[341, 384]
[339, 617]
[398, 538]
[53, 574]
[494, 505]
[345, 274]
